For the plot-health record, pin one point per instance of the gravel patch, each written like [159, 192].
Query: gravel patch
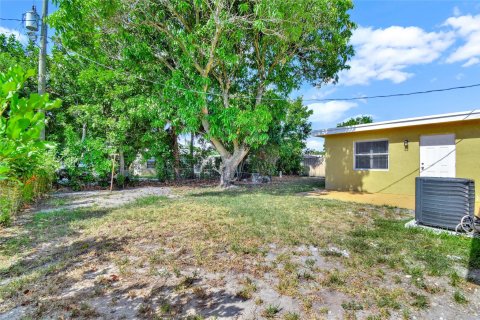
[100, 198]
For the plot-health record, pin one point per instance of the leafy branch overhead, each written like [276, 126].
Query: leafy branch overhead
[219, 64]
[21, 121]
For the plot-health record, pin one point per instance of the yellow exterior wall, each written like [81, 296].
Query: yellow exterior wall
[403, 164]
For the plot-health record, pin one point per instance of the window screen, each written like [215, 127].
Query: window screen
[371, 155]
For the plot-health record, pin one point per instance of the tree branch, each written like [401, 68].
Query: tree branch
[164, 61]
[165, 30]
[217, 144]
[177, 15]
[213, 46]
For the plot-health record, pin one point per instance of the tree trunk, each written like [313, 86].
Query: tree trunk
[229, 166]
[121, 158]
[192, 162]
[176, 153]
[84, 132]
[84, 136]
[230, 161]
[227, 174]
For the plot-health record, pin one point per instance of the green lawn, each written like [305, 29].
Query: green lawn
[385, 270]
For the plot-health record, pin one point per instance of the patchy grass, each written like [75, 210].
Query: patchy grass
[248, 289]
[352, 305]
[458, 297]
[388, 268]
[334, 279]
[271, 311]
[291, 316]
[419, 300]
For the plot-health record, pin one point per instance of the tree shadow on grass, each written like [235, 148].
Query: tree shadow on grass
[41, 283]
[98, 290]
[214, 303]
[42, 228]
[63, 257]
[274, 189]
[473, 275]
[35, 277]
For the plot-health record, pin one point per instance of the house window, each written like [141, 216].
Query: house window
[151, 164]
[371, 155]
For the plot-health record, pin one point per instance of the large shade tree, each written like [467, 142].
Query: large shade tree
[220, 62]
[105, 112]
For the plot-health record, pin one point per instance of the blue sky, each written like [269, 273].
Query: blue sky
[14, 9]
[404, 46]
[401, 46]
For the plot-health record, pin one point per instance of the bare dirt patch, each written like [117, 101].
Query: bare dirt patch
[246, 253]
[99, 198]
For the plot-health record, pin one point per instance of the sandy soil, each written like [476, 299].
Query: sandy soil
[91, 286]
[99, 198]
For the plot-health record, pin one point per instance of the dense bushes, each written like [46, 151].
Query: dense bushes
[27, 164]
[85, 160]
[286, 142]
[13, 194]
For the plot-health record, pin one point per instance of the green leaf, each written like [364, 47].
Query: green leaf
[16, 126]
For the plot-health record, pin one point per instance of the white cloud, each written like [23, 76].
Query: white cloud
[325, 112]
[315, 143]
[459, 76]
[20, 37]
[456, 11]
[385, 54]
[319, 93]
[467, 28]
[471, 62]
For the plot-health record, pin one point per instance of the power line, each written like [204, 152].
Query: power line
[10, 19]
[138, 77]
[7, 19]
[398, 94]
[404, 94]
[309, 100]
[277, 99]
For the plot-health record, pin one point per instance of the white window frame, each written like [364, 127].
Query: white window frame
[382, 154]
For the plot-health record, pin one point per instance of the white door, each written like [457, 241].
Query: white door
[437, 156]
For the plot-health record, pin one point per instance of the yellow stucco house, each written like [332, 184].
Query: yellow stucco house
[382, 159]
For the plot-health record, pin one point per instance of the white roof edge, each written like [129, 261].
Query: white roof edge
[439, 118]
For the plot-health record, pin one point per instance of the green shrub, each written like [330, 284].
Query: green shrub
[27, 164]
[10, 195]
[165, 170]
[14, 194]
[85, 161]
[120, 180]
[21, 122]
[459, 298]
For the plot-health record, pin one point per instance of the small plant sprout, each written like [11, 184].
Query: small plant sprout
[419, 300]
[247, 290]
[291, 316]
[459, 298]
[352, 306]
[271, 311]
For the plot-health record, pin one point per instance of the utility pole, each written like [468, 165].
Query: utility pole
[192, 162]
[42, 60]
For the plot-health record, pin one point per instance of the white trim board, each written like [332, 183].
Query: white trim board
[440, 118]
